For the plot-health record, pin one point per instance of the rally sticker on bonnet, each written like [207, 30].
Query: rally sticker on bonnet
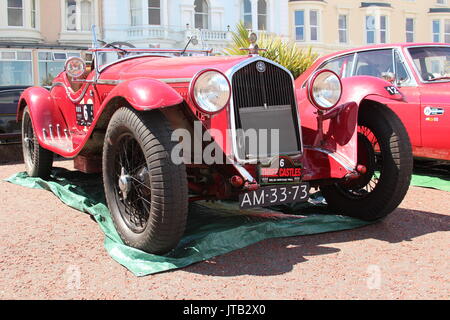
[392, 90]
[85, 113]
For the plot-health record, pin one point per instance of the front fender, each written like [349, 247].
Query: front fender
[145, 94]
[356, 89]
[43, 111]
[340, 139]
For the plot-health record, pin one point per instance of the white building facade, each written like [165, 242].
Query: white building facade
[170, 23]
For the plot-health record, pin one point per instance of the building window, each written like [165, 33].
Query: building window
[383, 29]
[50, 64]
[343, 28]
[443, 2]
[307, 25]
[436, 31]
[201, 14]
[15, 13]
[33, 13]
[247, 13]
[84, 10]
[370, 29]
[300, 25]
[87, 16]
[135, 13]
[314, 25]
[409, 30]
[154, 12]
[447, 31]
[376, 29]
[16, 68]
[441, 33]
[71, 10]
[262, 15]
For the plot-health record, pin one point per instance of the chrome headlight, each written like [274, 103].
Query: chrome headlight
[210, 90]
[324, 89]
[75, 67]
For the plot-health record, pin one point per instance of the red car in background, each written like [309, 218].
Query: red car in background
[420, 71]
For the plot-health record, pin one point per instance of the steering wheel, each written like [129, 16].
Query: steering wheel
[119, 45]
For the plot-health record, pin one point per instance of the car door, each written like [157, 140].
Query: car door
[435, 99]
[409, 110]
[435, 120]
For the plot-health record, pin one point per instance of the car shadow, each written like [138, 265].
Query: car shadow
[278, 256]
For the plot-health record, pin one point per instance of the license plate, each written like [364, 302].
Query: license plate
[274, 195]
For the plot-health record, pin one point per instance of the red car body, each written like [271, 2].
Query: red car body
[426, 109]
[148, 83]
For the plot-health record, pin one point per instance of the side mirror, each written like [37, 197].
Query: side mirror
[75, 67]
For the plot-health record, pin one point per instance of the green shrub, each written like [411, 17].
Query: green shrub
[286, 53]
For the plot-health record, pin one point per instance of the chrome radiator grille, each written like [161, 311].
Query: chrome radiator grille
[263, 98]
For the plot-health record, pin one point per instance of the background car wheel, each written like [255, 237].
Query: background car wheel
[146, 192]
[385, 149]
[38, 161]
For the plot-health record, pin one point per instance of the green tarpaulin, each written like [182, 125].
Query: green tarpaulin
[435, 176]
[430, 182]
[213, 228]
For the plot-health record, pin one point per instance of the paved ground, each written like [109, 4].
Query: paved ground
[49, 251]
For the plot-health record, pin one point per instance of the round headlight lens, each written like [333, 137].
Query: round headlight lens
[75, 67]
[325, 89]
[211, 91]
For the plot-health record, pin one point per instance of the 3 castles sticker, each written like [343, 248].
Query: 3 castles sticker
[282, 170]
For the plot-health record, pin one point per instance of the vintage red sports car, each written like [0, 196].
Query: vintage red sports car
[421, 72]
[134, 113]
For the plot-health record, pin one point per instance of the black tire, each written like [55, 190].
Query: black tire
[38, 161]
[384, 144]
[149, 208]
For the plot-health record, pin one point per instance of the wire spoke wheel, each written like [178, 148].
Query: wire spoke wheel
[132, 188]
[370, 156]
[38, 161]
[146, 193]
[385, 150]
[28, 140]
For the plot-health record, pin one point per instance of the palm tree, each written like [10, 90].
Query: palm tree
[286, 53]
